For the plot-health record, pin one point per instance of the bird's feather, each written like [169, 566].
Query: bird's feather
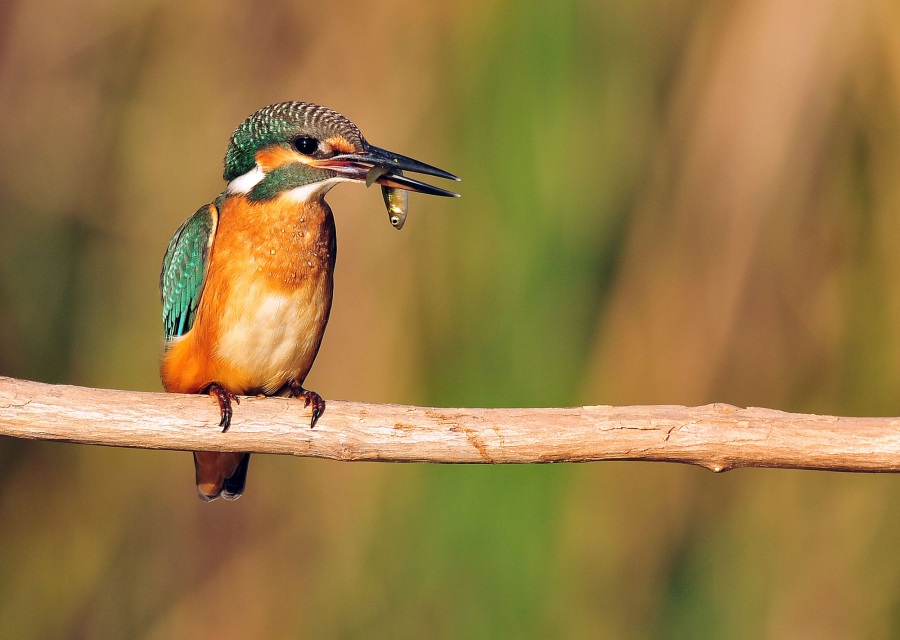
[184, 270]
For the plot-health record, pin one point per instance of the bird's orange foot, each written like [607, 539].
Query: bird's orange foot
[224, 398]
[309, 398]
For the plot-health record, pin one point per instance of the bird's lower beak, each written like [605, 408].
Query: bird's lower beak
[386, 168]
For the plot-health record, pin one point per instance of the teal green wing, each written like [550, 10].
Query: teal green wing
[184, 270]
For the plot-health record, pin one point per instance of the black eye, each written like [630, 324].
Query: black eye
[306, 145]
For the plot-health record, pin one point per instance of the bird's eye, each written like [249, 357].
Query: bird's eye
[306, 145]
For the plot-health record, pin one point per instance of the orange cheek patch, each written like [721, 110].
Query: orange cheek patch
[340, 144]
[276, 156]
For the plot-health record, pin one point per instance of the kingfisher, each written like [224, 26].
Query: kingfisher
[247, 281]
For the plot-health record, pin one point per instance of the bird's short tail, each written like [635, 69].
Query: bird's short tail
[220, 474]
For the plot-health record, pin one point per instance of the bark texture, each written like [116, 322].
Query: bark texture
[717, 436]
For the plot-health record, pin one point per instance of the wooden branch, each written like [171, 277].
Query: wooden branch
[717, 436]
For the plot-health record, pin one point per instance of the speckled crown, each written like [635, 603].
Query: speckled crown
[280, 123]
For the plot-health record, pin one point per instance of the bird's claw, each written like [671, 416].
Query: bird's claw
[309, 398]
[224, 397]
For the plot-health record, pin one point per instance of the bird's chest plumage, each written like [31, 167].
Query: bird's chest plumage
[271, 281]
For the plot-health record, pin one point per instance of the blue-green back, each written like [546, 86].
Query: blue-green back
[184, 270]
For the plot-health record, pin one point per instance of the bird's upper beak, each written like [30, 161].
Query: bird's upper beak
[386, 168]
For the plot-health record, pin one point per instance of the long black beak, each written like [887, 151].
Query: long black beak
[357, 166]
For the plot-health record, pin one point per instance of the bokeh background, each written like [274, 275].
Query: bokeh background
[663, 202]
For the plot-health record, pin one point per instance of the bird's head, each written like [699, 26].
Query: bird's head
[303, 150]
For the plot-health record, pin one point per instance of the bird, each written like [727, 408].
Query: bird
[246, 282]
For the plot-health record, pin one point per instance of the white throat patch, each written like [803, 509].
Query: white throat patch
[244, 184]
[309, 191]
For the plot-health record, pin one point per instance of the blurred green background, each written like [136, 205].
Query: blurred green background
[663, 202]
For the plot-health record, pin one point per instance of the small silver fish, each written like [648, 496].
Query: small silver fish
[396, 200]
[397, 203]
[374, 173]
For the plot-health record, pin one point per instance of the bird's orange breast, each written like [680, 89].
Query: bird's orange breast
[265, 301]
